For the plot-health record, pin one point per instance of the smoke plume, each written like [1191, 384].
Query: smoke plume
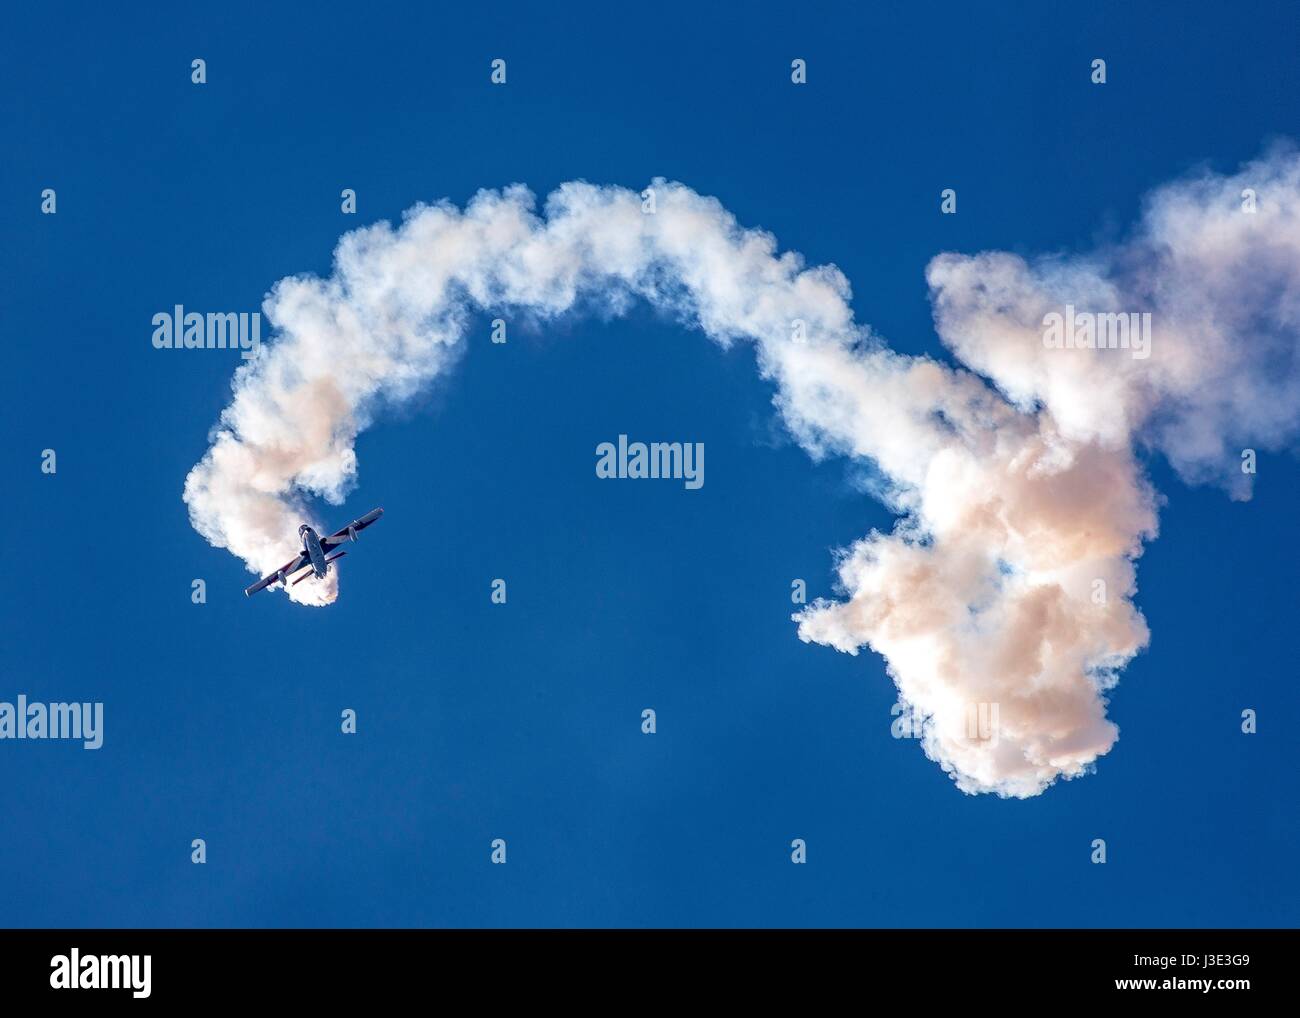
[1005, 590]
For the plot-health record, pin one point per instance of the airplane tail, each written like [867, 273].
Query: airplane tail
[311, 572]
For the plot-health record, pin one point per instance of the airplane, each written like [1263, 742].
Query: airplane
[313, 553]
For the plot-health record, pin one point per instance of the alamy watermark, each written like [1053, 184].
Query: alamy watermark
[84, 721]
[75, 971]
[980, 724]
[179, 329]
[676, 460]
[1084, 330]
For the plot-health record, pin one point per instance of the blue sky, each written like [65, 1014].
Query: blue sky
[522, 721]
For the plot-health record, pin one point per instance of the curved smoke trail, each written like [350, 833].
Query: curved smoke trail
[1016, 477]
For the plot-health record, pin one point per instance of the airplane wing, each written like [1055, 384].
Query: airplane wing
[349, 532]
[292, 566]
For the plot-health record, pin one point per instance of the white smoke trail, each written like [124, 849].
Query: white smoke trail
[1018, 502]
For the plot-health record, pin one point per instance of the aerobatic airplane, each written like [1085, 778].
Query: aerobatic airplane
[314, 553]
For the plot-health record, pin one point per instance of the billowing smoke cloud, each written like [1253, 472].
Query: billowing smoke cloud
[1004, 594]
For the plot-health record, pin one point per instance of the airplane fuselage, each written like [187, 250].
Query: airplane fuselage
[315, 554]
